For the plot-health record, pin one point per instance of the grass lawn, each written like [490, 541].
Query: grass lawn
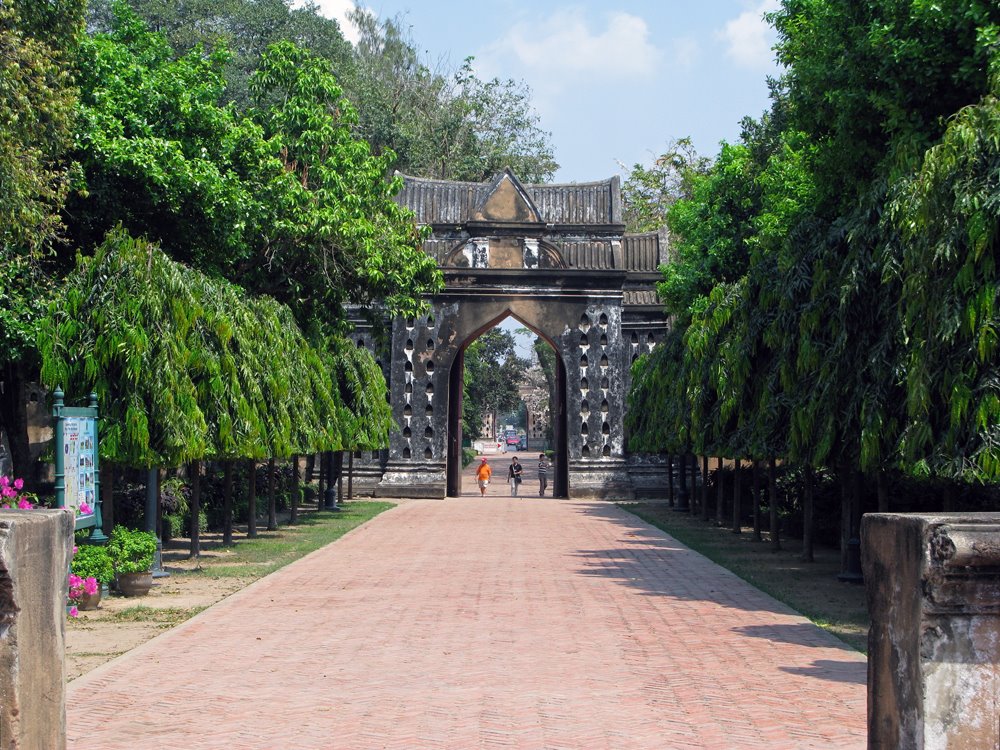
[271, 550]
[809, 588]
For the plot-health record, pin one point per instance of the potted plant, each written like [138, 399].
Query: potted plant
[92, 568]
[132, 558]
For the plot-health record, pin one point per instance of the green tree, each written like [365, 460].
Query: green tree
[492, 373]
[37, 97]
[649, 192]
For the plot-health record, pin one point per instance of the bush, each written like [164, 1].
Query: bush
[468, 456]
[131, 551]
[92, 561]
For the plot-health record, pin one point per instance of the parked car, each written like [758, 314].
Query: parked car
[513, 440]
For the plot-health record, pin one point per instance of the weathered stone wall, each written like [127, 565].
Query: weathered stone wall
[35, 548]
[933, 586]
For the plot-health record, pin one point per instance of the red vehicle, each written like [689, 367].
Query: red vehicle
[513, 439]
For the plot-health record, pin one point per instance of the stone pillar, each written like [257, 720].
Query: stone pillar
[933, 586]
[35, 549]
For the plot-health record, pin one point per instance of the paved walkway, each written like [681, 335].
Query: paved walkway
[484, 623]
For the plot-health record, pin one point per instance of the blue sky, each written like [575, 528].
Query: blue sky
[613, 82]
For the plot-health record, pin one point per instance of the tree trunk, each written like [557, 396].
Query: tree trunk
[194, 477]
[718, 492]
[251, 499]
[272, 502]
[14, 419]
[845, 516]
[107, 497]
[948, 496]
[670, 481]
[310, 467]
[755, 489]
[682, 490]
[882, 483]
[693, 465]
[704, 488]
[350, 476]
[293, 513]
[338, 471]
[227, 503]
[772, 485]
[808, 497]
[737, 520]
[324, 477]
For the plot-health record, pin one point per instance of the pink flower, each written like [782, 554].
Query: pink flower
[74, 612]
[4, 480]
[18, 484]
[90, 585]
[85, 509]
[24, 504]
[8, 491]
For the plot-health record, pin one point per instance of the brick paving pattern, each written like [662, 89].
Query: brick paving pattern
[484, 623]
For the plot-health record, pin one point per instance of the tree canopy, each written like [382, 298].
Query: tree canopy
[832, 275]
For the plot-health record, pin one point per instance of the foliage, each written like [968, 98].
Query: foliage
[468, 456]
[832, 279]
[492, 373]
[37, 41]
[948, 215]
[184, 367]
[92, 561]
[441, 123]
[286, 202]
[345, 238]
[131, 551]
[649, 192]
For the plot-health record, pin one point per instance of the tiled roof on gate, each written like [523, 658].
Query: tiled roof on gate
[449, 202]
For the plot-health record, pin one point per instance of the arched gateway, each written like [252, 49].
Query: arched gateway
[556, 258]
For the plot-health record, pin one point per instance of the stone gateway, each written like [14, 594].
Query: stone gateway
[557, 259]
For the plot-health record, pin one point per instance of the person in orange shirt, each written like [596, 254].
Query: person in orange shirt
[483, 474]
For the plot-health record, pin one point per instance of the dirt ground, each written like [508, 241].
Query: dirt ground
[119, 624]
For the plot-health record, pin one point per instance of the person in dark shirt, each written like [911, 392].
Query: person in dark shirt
[514, 476]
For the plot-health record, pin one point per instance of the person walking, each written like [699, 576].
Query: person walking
[483, 473]
[514, 476]
[543, 474]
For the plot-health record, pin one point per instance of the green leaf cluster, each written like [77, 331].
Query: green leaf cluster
[187, 367]
[833, 279]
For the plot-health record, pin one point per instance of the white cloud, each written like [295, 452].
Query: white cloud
[337, 10]
[686, 52]
[564, 43]
[749, 39]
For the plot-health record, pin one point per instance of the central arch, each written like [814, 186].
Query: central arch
[557, 259]
[456, 389]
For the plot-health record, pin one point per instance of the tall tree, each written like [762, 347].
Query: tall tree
[492, 373]
[37, 45]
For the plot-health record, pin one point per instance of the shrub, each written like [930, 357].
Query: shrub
[131, 551]
[92, 561]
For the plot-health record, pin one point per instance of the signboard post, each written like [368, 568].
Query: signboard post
[78, 478]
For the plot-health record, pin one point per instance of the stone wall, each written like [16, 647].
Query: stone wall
[933, 586]
[35, 548]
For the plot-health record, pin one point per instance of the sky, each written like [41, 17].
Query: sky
[614, 83]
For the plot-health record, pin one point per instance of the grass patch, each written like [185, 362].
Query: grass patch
[158, 615]
[809, 588]
[271, 550]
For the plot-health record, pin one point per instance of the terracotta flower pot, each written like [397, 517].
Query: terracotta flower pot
[135, 584]
[86, 601]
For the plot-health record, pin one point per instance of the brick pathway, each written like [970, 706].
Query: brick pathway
[496, 623]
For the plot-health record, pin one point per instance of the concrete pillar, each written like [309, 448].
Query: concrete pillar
[35, 549]
[933, 586]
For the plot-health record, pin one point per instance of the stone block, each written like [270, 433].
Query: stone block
[35, 549]
[933, 588]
